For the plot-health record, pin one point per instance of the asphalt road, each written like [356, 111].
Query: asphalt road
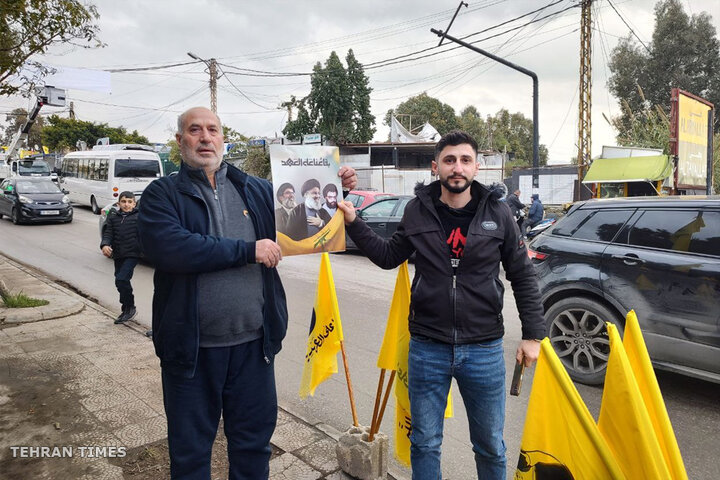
[70, 253]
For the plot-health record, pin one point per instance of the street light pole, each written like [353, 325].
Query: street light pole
[212, 67]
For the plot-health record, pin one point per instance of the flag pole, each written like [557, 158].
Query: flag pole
[349, 385]
[382, 409]
[378, 397]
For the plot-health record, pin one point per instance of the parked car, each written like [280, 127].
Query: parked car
[363, 198]
[657, 255]
[383, 216]
[34, 199]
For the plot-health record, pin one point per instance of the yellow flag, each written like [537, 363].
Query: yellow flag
[624, 420]
[325, 333]
[397, 320]
[561, 439]
[394, 356]
[650, 390]
[331, 238]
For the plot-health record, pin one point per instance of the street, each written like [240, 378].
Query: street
[70, 254]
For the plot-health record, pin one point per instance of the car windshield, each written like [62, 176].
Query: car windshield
[37, 187]
[33, 167]
[132, 167]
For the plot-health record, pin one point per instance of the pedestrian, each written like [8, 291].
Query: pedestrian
[517, 208]
[460, 233]
[219, 307]
[121, 242]
[535, 214]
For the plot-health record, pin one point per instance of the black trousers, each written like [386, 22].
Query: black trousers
[238, 384]
[124, 268]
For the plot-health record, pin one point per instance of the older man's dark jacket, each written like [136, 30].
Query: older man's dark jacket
[174, 225]
[462, 306]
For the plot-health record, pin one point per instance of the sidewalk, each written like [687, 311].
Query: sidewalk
[71, 379]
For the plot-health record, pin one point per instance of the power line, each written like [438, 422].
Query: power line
[157, 67]
[241, 92]
[628, 26]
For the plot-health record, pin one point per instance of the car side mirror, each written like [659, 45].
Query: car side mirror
[65, 191]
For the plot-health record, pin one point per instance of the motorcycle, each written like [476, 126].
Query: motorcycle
[541, 227]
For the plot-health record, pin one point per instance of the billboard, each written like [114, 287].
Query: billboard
[691, 119]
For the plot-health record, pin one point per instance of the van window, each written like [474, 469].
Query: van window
[679, 230]
[131, 167]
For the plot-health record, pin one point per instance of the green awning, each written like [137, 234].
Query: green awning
[629, 169]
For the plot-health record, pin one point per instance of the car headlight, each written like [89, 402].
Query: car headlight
[65, 199]
[24, 199]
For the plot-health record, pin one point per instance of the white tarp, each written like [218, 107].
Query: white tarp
[77, 78]
[399, 134]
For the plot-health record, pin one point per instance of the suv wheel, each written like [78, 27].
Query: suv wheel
[577, 332]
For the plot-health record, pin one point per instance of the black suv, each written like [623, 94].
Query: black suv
[657, 255]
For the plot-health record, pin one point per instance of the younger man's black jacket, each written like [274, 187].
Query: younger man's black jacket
[462, 306]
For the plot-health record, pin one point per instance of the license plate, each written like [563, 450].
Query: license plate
[49, 212]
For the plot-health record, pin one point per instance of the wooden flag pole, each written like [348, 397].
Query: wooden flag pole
[349, 385]
[382, 409]
[378, 397]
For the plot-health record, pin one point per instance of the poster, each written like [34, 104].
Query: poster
[307, 189]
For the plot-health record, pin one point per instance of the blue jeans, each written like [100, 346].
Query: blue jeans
[234, 382]
[479, 370]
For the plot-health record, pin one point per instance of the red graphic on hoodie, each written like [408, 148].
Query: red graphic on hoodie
[457, 240]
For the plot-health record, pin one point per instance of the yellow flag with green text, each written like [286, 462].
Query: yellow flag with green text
[624, 420]
[560, 439]
[325, 333]
[650, 390]
[394, 356]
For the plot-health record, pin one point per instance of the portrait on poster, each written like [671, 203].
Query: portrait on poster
[307, 190]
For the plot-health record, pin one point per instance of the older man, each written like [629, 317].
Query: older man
[309, 217]
[219, 308]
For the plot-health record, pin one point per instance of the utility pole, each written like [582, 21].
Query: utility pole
[536, 121]
[585, 106]
[72, 111]
[212, 68]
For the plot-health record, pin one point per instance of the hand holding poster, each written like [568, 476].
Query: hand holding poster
[307, 191]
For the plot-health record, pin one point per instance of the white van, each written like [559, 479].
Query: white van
[96, 177]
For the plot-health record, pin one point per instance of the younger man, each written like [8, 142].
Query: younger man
[121, 243]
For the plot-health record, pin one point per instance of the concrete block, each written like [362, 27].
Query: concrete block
[362, 459]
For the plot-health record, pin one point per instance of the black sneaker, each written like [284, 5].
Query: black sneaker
[119, 318]
[148, 334]
[130, 314]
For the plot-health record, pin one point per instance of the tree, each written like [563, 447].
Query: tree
[232, 136]
[338, 106]
[514, 132]
[258, 162]
[684, 53]
[472, 122]
[64, 133]
[363, 121]
[16, 119]
[424, 108]
[30, 28]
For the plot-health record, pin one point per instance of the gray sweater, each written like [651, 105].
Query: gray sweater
[230, 302]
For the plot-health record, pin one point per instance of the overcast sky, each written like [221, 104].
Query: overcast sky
[291, 36]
